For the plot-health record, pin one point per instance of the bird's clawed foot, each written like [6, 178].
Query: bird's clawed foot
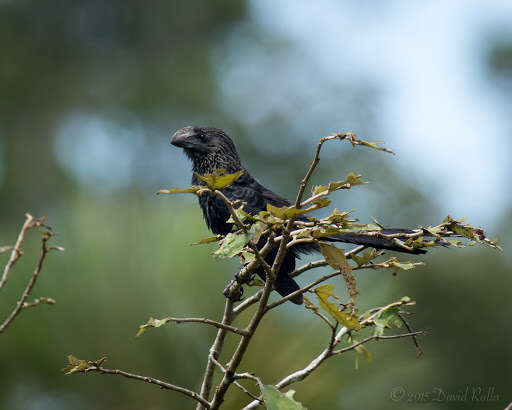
[243, 280]
[233, 291]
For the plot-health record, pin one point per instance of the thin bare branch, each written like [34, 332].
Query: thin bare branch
[313, 165]
[16, 250]
[48, 301]
[303, 289]
[414, 338]
[229, 204]
[151, 380]
[309, 266]
[377, 337]
[248, 270]
[30, 285]
[239, 376]
[247, 302]
[324, 318]
[215, 350]
[323, 262]
[237, 356]
[204, 320]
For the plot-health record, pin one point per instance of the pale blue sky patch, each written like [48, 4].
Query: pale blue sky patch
[435, 106]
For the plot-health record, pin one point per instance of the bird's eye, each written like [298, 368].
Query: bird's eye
[202, 136]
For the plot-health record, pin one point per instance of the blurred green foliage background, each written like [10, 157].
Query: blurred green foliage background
[90, 90]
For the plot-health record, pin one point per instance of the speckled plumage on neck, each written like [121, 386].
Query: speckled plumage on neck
[217, 152]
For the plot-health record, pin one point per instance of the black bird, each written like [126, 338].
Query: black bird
[211, 149]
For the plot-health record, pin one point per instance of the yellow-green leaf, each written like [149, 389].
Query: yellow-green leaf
[375, 145]
[361, 350]
[98, 362]
[354, 180]
[338, 218]
[75, 365]
[366, 257]
[336, 258]
[151, 323]
[318, 189]
[210, 239]
[218, 179]
[308, 304]
[191, 190]
[323, 292]
[78, 365]
[350, 181]
[256, 282]
[394, 263]
[285, 212]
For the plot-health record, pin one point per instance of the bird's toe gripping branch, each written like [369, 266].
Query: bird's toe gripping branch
[234, 290]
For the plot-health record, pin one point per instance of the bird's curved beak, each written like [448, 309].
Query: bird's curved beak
[181, 138]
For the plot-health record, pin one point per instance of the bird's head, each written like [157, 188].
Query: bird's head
[208, 148]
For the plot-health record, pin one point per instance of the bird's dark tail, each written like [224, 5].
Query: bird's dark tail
[377, 242]
[286, 285]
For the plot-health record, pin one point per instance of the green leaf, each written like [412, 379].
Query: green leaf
[248, 257]
[191, 190]
[323, 292]
[234, 242]
[219, 179]
[151, 323]
[385, 319]
[336, 258]
[275, 400]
